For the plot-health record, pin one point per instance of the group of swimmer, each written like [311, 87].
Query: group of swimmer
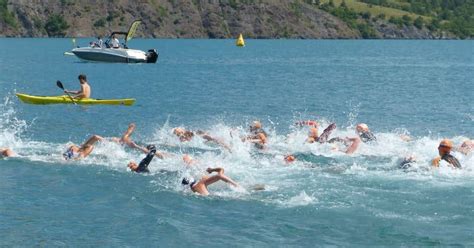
[259, 138]
[256, 136]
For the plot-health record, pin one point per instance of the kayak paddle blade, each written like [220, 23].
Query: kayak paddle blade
[60, 85]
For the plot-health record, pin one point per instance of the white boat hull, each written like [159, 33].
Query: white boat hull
[118, 55]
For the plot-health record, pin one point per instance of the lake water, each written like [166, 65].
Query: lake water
[420, 88]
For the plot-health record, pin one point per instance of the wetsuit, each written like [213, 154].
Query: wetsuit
[143, 166]
[451, 160]
[406, 163]
[325, 135]
[367, 137]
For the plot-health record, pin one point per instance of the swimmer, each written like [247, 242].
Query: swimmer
[351, 144]
[407, 162]
[310, 123]
[200, 186]
[466, 147]
[444, 150]
[143, 165]
[313, 134]
[78, 152]
[187, 135]
[258, 140]
[257, 135]
[290, 159]
[126, 140]
[364, 133]
[188, 160]
[256, 128]
[6, 152]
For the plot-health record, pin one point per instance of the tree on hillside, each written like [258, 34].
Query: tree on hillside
[56, 26]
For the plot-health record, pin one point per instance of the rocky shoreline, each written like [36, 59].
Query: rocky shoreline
[262, 19]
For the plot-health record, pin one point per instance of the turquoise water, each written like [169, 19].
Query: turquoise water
[421, 88]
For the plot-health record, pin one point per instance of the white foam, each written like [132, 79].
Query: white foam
[289, 185]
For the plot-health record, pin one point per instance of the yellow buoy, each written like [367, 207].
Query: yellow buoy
[240, 41]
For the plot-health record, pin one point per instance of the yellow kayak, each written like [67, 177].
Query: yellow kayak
[66, 100]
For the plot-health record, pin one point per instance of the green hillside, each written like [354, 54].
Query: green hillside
[455, 16]
[375, 10]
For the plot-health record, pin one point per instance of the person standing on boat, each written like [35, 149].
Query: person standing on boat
[85, 91]
[115, 42]
[100, 42]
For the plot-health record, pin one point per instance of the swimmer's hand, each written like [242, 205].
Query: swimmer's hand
[218, 170]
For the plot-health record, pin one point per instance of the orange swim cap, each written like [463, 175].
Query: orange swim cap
[290, 158]
[257, 124]
[362, 127]
[446, 143]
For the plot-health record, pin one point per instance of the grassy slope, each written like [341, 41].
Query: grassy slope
[376, 10]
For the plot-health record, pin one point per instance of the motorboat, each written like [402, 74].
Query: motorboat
[106, 52]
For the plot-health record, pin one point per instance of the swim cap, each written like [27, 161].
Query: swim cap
[362, 127]
[185, 181]
[179, 131]
[68, 154]
[257, 125]
[151, 147]
[188, 181]
[290, 158]
[446, 143]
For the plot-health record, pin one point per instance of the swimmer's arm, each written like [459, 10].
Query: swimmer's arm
[435, 162]
[219, 170]
[211, 139]
[353, 147]
[146, 151]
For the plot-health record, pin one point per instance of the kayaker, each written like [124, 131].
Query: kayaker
[126, 140]
[187, 135]
[78, 152]
[444, 150]
[85, 91]
[143, 165]
[6, 152]
[200, 186]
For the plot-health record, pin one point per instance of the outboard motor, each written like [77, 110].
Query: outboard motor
[151, 56]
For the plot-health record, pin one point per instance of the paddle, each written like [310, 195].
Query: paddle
[60, 85]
